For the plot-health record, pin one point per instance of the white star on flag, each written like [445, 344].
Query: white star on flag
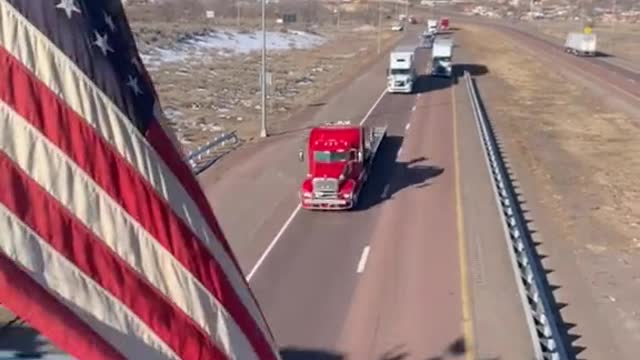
[133, 84]
[101, 42]
[109, 20]
[69, 6]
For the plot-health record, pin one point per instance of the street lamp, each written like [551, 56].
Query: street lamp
[263, 72]
[238, 13]
[379, 26]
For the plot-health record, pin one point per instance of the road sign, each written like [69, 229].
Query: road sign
[210, 14]
[587, 30]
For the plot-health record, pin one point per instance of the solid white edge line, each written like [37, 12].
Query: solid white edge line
[373, 107]
[297, 209]
[363, 259]
[274, 242]
[408, 126]
[413, 108]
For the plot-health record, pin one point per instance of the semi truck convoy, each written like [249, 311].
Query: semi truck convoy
[580, 44]
[441, 56]
[340, 156]
[401, 73]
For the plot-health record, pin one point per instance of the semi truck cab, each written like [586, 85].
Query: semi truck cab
[401, 73]
[339, 158]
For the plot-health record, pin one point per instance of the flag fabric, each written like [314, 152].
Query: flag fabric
[108, 245]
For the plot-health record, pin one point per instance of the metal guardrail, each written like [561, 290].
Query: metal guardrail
[546, 325]
[203, 157]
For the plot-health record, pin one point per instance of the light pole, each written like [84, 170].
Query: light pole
[263, 72]
[379, 26]
[238, 13]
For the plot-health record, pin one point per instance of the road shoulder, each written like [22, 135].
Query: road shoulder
[499, 325]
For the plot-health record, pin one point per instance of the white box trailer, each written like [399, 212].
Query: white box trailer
[401, 74]
[580, 44]
[441, 57]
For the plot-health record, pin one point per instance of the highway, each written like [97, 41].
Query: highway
[386, 279]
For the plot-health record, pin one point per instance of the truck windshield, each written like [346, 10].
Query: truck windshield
[400, 71]
[443, 58]
[331, 156]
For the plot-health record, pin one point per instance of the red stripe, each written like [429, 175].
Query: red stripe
[55, 225]
[163, 146]
[120, 180]
[32, 303]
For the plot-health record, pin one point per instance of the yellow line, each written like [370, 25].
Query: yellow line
[467, 320]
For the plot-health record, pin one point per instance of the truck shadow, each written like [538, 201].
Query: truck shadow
[426, 83]
[390, 176]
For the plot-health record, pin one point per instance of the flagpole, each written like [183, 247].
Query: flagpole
[263, 77]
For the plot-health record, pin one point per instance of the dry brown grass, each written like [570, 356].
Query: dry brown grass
[584, 154]
[215, 92]
[622, 40]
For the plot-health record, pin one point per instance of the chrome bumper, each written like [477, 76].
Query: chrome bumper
[326, 204]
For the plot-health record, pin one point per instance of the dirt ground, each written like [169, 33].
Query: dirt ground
[577, 160]
[221, 92]
[621, 40]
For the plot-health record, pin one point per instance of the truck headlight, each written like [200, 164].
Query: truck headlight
[306, 194]
[347, 195]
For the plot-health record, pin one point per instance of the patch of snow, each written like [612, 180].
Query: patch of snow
[228, 43]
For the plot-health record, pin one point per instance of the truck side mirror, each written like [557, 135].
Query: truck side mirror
[301, 155]
[360, 156]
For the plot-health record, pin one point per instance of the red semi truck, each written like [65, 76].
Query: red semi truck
[340, 156]
[443, 24]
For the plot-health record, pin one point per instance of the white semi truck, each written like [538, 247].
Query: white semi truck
[432, 26]
[441, 56]
[401, 74]
[580, 44]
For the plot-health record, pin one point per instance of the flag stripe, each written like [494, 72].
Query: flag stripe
[72, 135]
[19, 292]
[57, 72]
[54, 272]
[53, 224]
[97, 211]
[159, 140]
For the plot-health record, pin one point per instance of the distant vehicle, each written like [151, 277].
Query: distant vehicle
[432, 26]
[340, 158]
[401, 73]
[443, 24]
[413, 20]
[397, 27]
[426, 40]
[441, 57]
[580, 44]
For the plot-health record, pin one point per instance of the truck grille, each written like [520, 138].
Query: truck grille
[325, 185]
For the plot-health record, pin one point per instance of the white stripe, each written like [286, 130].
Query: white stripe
[66, 282]
[373, 107]
[69, 185]
[363, 259]
[63, 77]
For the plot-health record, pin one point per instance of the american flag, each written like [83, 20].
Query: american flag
[108, 245]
